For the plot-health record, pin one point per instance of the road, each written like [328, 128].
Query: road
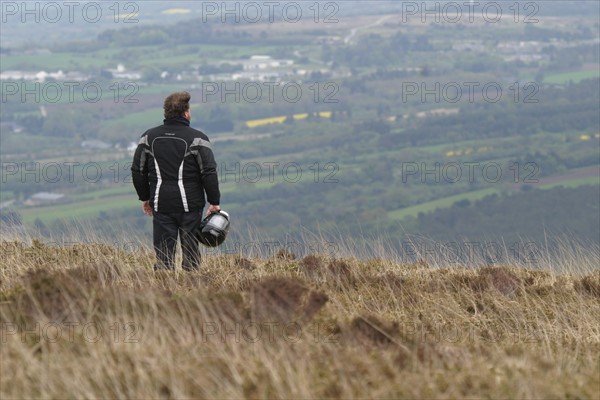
[371, 25]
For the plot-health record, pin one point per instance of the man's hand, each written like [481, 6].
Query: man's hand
[147, 209]
[212, 209]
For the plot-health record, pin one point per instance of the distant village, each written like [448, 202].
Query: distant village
[254, 68]
[261, 68]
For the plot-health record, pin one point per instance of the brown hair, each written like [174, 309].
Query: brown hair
[176, 104]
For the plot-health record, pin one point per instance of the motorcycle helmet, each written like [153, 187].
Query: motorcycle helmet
[213, 229]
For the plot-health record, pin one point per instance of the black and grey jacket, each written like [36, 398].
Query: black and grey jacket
[173, 166]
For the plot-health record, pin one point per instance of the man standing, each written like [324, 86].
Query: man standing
[172, 168]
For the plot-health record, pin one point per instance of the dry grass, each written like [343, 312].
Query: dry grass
[92, 321]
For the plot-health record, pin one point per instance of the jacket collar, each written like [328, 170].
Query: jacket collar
[176, 121]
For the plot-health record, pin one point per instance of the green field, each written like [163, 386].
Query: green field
[445, 202]
[6, 195]
[590, 180]
[575, 77]
[105, 193]
[138, 119]
[66, 61]
[84, 209]
[140, 57]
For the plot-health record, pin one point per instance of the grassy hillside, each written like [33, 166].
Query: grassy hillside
[94, 321]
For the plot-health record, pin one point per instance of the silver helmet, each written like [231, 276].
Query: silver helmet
[213, 229]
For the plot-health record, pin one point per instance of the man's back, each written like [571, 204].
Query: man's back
[179, 164]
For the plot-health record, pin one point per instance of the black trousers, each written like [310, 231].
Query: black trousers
[166, 228]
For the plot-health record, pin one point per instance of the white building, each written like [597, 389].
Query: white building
[121, 73]
[264, 62]
[44, 198]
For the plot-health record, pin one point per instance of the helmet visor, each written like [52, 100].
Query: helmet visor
[218, 222]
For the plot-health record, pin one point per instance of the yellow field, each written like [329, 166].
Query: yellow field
[281, 119]
[173, 11]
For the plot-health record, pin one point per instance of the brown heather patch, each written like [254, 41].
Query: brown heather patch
[475, 307]
[315, 301]
[453, 280]
[339, 268]
[373, 330]
[228, 306]
[341, 272]
[44, 294]
[589, 284]
[311, 265]
[284, 254]
[389, 280]
[232, 272]
[501, 279]
[231, 263]
[276, 295]
[244, 263]
[285, 300]
[99, 272]
[420, 263]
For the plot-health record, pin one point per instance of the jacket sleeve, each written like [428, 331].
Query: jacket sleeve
[139, 169]
[208, 169]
